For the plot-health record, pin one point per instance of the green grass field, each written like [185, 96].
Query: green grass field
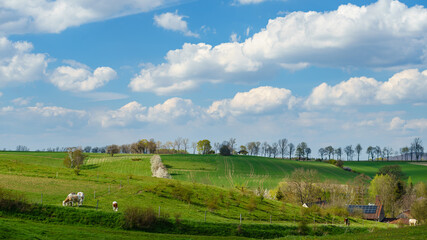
[249, 171]
[127, 180]
[415, 170]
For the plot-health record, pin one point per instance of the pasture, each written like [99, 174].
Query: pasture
[416, 171]
[247, 171]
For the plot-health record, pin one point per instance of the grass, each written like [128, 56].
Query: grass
[248, 171]
[416, 172]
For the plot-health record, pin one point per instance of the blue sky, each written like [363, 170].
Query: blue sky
[102, 72]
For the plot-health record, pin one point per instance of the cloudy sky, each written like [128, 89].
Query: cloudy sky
[86, 72]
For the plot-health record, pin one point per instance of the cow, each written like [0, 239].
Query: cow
[347, 221]
[115, 206]
[71, 198]
[413, 221]
[81, 197]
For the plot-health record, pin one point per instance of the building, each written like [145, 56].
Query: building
[370, 212]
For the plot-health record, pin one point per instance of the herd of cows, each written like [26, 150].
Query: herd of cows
[79, 198]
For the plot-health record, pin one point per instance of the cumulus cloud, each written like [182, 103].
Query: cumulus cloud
[413, 124]
[53, 16]
[257, 100]
[21, 101]
[78, 79]
[406, 86]
[174, 22]
[54, 111]
[18, 64]
[381, 35]
[244, 2]
[174, 109]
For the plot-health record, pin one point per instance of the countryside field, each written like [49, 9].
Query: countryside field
[42, 178]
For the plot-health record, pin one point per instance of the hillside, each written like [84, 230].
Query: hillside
[249, 171]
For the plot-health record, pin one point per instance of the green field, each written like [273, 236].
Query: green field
[415, 170]
[249, 171]
[127, 179]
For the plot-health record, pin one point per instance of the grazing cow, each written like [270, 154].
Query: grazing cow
[347, 222]
[413, 221]
[71, 198]
[115, 206]
[81, 197]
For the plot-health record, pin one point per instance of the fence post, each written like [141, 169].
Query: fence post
[42, 199]
[97, 202]
[314, 220]
[205, 216]
[159, 211]
[94, 194]
[240, 219]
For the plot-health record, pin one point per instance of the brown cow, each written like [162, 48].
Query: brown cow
[115, 206]
[71, 198]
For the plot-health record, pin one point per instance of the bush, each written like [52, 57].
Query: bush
[339, 163]
[224, 151]
[303, 228]
[419, 210]
[11, 201]
[139, 218]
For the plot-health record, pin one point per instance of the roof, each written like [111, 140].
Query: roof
[367, 209]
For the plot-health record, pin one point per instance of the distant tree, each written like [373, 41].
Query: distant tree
[21, 148]
[404, 153]
[338, 152]
[125, 148]
[178, 143]
[194, 146]
[243, 150]
[204, 146]
[113, 149]
[291, 150]
[378, 152]
[307, 152]
[418, 149]
[95, 149]
[257, 148]
[75, 158]
[322, 152]
[303, 184]
[283, 146]
[151, 146]
[251, 147]
[217, 146]
[102, 149]
[264, 148]
[300, 151]
[224, 150]
[142, 146]
[185, 144]
[231, 144]
[394, 171]
[329, 151]
[387, 151]
[274, 149]
[371, 152]
[87, 149]
[358, 150]
[349, 152]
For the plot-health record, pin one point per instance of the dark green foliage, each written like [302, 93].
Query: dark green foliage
[339, 163]
[394, 171]
[74, 158]
[141, 218]
[303, 228]
[224, 151]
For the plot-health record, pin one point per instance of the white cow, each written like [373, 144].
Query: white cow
[413, 221]
[115, 206]
[81, 197]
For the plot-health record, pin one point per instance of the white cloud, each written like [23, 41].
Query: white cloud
[1, 94]
[21, 101]
[54, 111]
[172, 110]
[18, 64]
[69, 78]
[53, 16]
[174, 22]
[234, 37]
[7, 109]
[244, 2]
[406, 86]
[257, 100]
[385, 34]
[412, 124]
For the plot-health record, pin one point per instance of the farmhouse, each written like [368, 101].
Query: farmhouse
[370, 212]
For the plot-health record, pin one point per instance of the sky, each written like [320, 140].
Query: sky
[86, 72]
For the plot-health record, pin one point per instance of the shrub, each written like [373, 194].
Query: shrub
[139, 218]
[419, 210]
[339, 163]
[252, 204]
[212, 203]
[224, 151]
[12, 201]
[303, 228]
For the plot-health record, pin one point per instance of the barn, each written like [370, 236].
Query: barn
[371, 211]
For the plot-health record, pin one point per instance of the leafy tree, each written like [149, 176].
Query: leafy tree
[322, 152]
[87, 149]
[329, 151]
[291, 150]
[283, 146]
[394, 171]
[113, 149]
[349, 152]
[224, 150]
[204, 146]
[338, 152]
[307, 152]
[418, 149]
[358, 150]
[419, 210]
[75, 158]
[302, 183]
[243, 150]
[371, 152]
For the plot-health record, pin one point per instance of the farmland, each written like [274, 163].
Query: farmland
[212, 210]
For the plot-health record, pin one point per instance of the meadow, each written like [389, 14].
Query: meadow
[202, 195]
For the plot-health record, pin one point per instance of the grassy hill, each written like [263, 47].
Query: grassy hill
[249, 171]
[416, 170]
[127, 180]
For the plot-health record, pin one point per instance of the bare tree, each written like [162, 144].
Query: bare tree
[274, 149]
[257, 147]
[302, 184]
[194, 147]
[300, 151]
[322, 152]
[185, 144]
[307, 152]
[264, 148]
[371, 152]
[178, 143]
[291, 150]
[283, 146]
[338, 152]
[349, 152]
[231, 143]
[417, 148]
[329, 151]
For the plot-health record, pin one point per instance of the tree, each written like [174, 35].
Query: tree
[257, 147]
[151, 146]
[75, 158]
[185, 144]
[371, 152]
[224, 150]
[358, 150]
[251, 147]
[329, 151]
[204, 146]
[194, 146]
[338, 152]
[291, 150]
[283, 146]
[303, 184]
[274, 149]
[95, 150]
[417, 148]
[300, 151]
[349, 152]
[243, 150]
[231, 143]
[322, 152]
[178, 143]
[419, 210]
[87, 149]
[307, 152]
[378, 152]
[394, 171]
[113, 149]
[125, 148]
[404, 152]
[389, 190]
